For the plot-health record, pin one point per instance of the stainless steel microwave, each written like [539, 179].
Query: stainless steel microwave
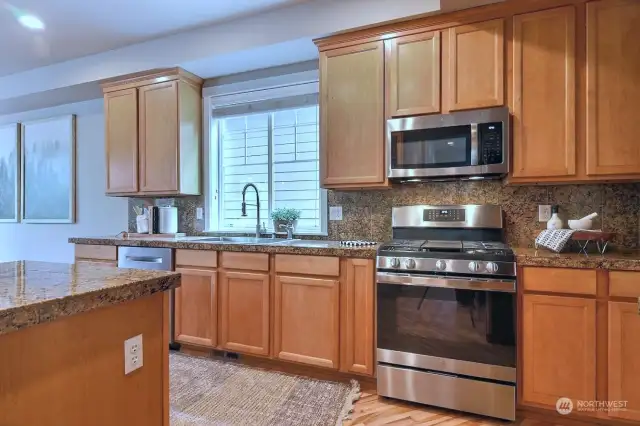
[467, 145]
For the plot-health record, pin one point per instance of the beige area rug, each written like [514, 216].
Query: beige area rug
[207, 391]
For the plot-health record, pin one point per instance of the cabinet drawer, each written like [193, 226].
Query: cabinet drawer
[560, 280]
[201, 258]
[246, 261]
[624, 284]
[308, 265]
[96, 252]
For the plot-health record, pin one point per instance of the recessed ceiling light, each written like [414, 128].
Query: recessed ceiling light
[31, 22]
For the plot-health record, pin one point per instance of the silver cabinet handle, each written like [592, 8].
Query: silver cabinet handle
[144, 259]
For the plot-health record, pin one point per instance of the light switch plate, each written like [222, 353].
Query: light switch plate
[335, 213]
[544, 213]
[133, 356]
[199, 213]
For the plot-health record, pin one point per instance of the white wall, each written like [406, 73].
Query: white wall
[96, 213]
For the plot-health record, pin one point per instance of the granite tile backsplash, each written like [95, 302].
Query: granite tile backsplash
[367, 214]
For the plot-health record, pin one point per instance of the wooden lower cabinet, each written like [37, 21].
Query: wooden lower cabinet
[244, 312]
[195, 308]
[558, 349]
[307, 315]
[357, 327]
[624, 358]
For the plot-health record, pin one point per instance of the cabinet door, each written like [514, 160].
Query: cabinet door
[624, 358]
[121, 141]
[159, 137]
[475, 66]
[613, 87]
[352, 116]
[195, 308]
[413, 74]
[307, 315]
[544, 81]
[358, 321]
[244, 307]
[559, 348]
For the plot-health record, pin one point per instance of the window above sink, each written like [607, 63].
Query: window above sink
[268, 136]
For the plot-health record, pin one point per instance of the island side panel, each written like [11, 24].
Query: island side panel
[71, 371]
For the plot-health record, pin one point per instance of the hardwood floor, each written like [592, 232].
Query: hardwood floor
[372, 410]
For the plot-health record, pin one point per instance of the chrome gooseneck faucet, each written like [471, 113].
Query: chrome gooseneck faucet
[244, 206]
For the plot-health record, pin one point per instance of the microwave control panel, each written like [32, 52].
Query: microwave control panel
[490, 138]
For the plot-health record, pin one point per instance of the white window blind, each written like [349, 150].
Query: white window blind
[278, 152]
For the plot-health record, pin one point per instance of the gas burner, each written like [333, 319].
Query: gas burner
[357, 243]
[400, 248]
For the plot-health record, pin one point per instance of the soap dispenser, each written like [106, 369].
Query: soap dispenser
[555, 222]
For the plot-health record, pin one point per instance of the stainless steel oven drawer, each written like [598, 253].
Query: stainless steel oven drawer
[441, 390]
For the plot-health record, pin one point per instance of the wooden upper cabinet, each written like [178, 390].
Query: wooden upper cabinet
[544, 84]
[244, 312]
[121, 140]
[352, 116]
[307, 315]
[624, 361]
[613, 87]
[559, 349]
[196, 308]
[474, 66]
[413, 74]
[159, 137]
[153, 133]
[357, 324]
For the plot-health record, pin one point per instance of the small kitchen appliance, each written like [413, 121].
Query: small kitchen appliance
[168, 220]
[446, 310]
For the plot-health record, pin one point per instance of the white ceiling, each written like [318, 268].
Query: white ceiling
[76, 28]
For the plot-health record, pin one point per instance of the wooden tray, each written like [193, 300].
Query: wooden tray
[592, 236]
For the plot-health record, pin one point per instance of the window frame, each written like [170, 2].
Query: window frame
[246, 92]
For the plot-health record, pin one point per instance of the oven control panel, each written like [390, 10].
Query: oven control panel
[444, 215]
[460, 266]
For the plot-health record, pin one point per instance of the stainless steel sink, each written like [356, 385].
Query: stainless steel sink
[244, 240]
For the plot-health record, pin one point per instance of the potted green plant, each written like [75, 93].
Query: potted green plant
[285, 216]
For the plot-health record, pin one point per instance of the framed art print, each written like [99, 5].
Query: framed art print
[10, 173]
[48, 170]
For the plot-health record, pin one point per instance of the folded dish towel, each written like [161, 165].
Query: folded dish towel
[554, 239]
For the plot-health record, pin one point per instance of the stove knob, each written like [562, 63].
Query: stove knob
[410, 263]
[441, 265]
[492, 267]
[395, 262]
[474, 266]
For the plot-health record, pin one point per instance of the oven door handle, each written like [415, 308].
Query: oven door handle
[506, 286]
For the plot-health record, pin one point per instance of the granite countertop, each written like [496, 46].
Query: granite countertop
[303, 247]
[628, 260]
[35, 292]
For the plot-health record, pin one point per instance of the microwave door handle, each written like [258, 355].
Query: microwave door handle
[474, 145]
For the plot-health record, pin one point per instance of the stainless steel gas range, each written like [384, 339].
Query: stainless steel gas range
[446, 310]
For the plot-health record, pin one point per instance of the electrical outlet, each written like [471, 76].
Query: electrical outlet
[133, 356]
[199, 213]
[544, 213]
[335, 213]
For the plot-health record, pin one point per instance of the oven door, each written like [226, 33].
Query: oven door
[460, 325]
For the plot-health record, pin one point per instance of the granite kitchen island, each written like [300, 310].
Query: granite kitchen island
[62, 333]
